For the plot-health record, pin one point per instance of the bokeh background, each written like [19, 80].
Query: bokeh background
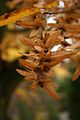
[18, 103]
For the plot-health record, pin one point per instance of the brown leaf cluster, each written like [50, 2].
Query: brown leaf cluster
[44, 37]
[40, 60]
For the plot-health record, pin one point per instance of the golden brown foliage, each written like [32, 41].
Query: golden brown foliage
[44, 36]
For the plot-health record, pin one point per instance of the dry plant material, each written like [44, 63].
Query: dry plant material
[76, 74]
[8, 18]
[42, 61]
[76, 61]
[41, 58]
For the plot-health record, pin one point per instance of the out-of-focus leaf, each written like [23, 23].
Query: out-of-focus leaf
[20, 14]
[50, 89]
[76, 74]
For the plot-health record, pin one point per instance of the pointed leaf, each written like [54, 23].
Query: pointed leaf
[31, 76]
[28, 64]
[22, 72]
[26, 24]
[26, 41]
[49, 88]
[76, 74]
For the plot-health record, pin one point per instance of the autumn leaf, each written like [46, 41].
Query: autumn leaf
[49, 88]
[76, 74]
[27, 63]
[39, 61]
[26, 41]
[53, 39]
[20, 14]
[22, 72]
[17, 15]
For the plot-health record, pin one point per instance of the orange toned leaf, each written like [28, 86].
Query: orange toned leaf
[74, 46]
[26, 24]
[53, 39]
[22, 72]
[59, 56]
[72, 28]
[31, 76]
[38, 48]
[26, 41]
[76, 74]
[28, 64]
[50, 83]
[34, 85]
[49, 88]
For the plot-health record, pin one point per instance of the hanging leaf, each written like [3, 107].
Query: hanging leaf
[49, 88]
[76, 74]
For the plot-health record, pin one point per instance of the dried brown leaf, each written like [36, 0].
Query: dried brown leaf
[21, 72]
[76, 74]
[49, 88]
[53, 39]
[27, 63]
[26, 41]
